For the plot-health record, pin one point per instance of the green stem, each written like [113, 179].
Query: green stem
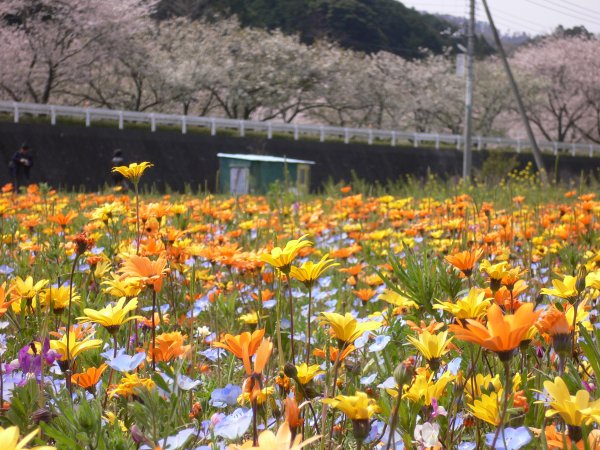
[137, 218]
[289, 283]
[507, 389]
[68, 355]
[394, 418]
[153, 330]
[308, 332]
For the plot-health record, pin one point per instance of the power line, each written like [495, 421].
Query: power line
[521, 23]
[511, 23]
[583, 9]
[517, 18]
[584, 19]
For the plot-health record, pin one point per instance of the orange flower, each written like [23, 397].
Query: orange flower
[148, 322]
[62, 220]
[553, 322]
[89, 378]
[345, 252]
[558, 440]
[353, 270]
[431, 328]
[365, 294]
[253, 384]
[168, 346]
[243, 346]
[333, 352]
[292, 413]
[265, 295]
[512, 276]
[465, 261]
[145, 270]
[4, 293]
[503, 333]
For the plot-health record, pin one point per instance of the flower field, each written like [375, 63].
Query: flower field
[462, 320]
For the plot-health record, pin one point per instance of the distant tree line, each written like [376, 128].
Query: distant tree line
[116, 54]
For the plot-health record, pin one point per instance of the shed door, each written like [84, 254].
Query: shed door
[303, 178]
[239, 180]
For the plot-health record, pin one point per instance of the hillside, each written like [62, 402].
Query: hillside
[364, 25]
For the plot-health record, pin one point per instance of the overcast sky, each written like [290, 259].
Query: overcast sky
[530, 16]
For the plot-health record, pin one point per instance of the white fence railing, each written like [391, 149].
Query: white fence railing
[322, 132]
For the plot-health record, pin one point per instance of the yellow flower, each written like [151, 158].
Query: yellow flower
[26, 290]
[309, 272]
[111, 317]
[592, 280]
[261, 396]
[346, 328]
[108, 212]
[9, 440]
[355, 407]
[134, 171]
[282, 258]
[475, 387]
[431, 346]
[282, 441]
[574, 409]
[306, 373]
[495, 271]
[102, 268]
[473, 306]
[75, 347]
[111, 418]
[423, 388]
[117, 287]
[57, 298]
[251, 318]
[486, 408]
[567, 288]
[129, 384]
[401, 303]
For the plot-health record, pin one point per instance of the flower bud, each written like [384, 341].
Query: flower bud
[290, 370]
[360, 429]
[402, 375]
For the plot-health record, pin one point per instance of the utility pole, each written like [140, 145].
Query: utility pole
[469, 94]
[537, 155]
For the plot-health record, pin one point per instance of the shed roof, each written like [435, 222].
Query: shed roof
[264, 158]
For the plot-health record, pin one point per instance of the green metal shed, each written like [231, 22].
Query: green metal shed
[253, 174]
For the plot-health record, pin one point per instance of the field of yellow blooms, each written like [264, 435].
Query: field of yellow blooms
[339, 321]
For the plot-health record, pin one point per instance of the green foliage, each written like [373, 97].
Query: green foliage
[81, 426]
[23, 404]
[364, 25]
[417, 278]
[496, 167]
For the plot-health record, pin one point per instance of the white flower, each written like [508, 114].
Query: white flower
[427, 434]
[202, 332]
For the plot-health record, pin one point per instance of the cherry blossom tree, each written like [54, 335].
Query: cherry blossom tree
[46, 43]
[556, 83]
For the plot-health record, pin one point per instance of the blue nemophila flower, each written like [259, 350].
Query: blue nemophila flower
[368, 379]
[123, 362]
[234, 425]
[389, 383]
[227, 396]
[510, 438]
[186, 383]
[177, 441]
[380, 343]
[213, 354]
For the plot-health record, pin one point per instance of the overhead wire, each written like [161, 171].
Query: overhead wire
[583, 19]
[583, 9]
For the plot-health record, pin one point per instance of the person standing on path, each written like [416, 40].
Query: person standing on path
[20, 166]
